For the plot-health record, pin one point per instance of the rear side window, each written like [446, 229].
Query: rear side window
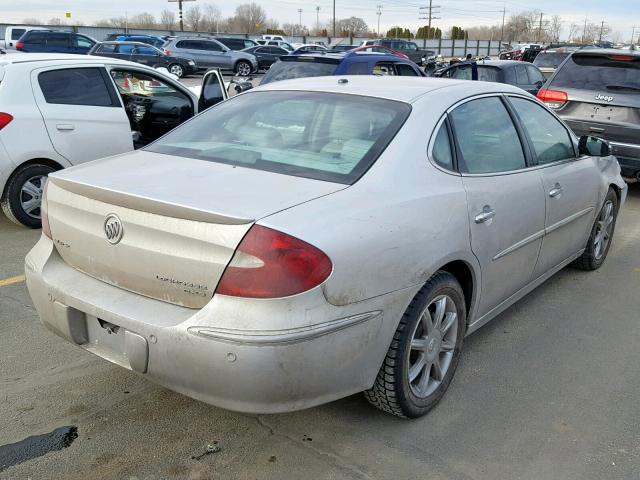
[211, 46]
[550, 140]
[185, 44]
[464, 72]
[58, 40]
[35, 37]
[358, 68]
[126, 49]
[145, 51]
[108, 48]
[590, 72]
[535, 75]
[286, 70]
[441, 152]
[405, 70]
[76, 86]
[547, 59]
[486, 137]
[16, 33]
[521, 75]
[488, 74]
[323, 136]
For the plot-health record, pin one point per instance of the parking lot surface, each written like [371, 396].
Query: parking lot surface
[548, 390]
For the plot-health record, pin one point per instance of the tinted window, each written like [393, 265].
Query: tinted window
[462, 73]
[278, 51]
[411, 46]
[16, 33]
[58, 40]
[325, 136]
[487, 138]
[550, 59]
[358, 68]
[108, 48]
[145, 51]
[286, 70]
[598, 73]
[405, 70]
[83, 42]
[75, 86]
[521, 75]
[550, 139]
[35, 37]
[535, 75]
[488, 74]
[441, 152]
[126, 49]
[211, 46]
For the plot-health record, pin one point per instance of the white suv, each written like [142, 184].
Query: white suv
[60, 110]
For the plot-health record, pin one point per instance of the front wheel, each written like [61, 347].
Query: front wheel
[601, 234]
[243, 69]
[23, 195]
[424, 352]
[176, 69]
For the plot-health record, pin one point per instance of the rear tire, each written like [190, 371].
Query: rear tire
[176, 69]
[424, 352]
[601, 235]
[23, 193]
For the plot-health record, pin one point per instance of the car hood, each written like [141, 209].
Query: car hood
[188, 188]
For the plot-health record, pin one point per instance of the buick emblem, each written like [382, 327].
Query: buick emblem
[113, 228]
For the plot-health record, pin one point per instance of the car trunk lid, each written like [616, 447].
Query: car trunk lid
[181, 219]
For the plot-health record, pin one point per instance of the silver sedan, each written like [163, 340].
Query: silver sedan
[315, 238]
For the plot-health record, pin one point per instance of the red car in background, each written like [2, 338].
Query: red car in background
[380, 49]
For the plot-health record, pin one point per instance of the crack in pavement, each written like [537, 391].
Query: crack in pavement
[337, 460]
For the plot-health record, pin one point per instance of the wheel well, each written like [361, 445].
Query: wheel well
[464, 275]
[616, 189]
[43, 161]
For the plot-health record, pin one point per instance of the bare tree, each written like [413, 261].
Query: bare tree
[294, 29]
[354, 26]
[211, 17]
[142, 20]
[32, 21]
[249, 17]
[55, 21]
[193, 18]
[554, 28]
[167, 19]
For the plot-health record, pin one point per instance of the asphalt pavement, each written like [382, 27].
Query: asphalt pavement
[548, 390]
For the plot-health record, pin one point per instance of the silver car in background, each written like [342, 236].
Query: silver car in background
[210, 53]
[315, 238]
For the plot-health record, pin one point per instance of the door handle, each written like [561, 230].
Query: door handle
[487, 214]
[65, 127]
[556, 191]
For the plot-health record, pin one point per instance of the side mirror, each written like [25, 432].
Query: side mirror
[593, 146]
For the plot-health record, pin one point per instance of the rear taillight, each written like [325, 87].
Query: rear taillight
[44, 214]
[553, 98]
[19, 46]
[271, 264]
[5, 119]
[623, 58]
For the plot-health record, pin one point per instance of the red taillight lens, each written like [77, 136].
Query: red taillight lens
[553, 98]
[5, 119]
[44, 214]
[622, 58]
[19, 46]
[271, 264]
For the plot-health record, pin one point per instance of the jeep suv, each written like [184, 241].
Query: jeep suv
[597, 92]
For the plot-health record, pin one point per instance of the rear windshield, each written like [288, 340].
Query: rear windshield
[323, 136]
[286, 70]
[552, 60]
[599, 72]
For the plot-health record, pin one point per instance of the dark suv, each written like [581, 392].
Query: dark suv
[410, 49]
[597, 92]
[54, 41]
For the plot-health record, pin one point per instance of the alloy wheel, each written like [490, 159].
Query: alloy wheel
[177, 70]
[604, 226]
[432, 346]
[244, 69]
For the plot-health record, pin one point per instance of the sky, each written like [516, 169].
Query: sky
[620, 15]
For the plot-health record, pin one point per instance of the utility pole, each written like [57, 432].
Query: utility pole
[584, 32]
[379, 13]
[300, 22]
[430, 16]
[180, 11]
[539, 29]
[601, 30]
[504, 13]
[318, 19]
[334, 18]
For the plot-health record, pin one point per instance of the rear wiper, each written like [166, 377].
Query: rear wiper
[623, 87]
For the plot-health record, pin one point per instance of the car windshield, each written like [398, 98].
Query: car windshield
[550, 59]
[324, 136]
[299, 68]
[591, 72]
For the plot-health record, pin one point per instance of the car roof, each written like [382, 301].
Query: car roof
[606, 51]
[16, 58]
[402, 89]
[124, 42]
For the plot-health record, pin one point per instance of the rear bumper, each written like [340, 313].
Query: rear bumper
[248, 358]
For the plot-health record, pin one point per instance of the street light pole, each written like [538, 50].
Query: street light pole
[300, 21]
[379, 13]
[334, 18]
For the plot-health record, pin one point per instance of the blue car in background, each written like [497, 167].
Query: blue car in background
[54, 41]
[350, 63]
[157, 42]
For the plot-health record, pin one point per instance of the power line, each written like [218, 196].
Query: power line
[430, 16]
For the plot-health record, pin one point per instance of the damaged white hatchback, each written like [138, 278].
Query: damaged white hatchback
[315, 238]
